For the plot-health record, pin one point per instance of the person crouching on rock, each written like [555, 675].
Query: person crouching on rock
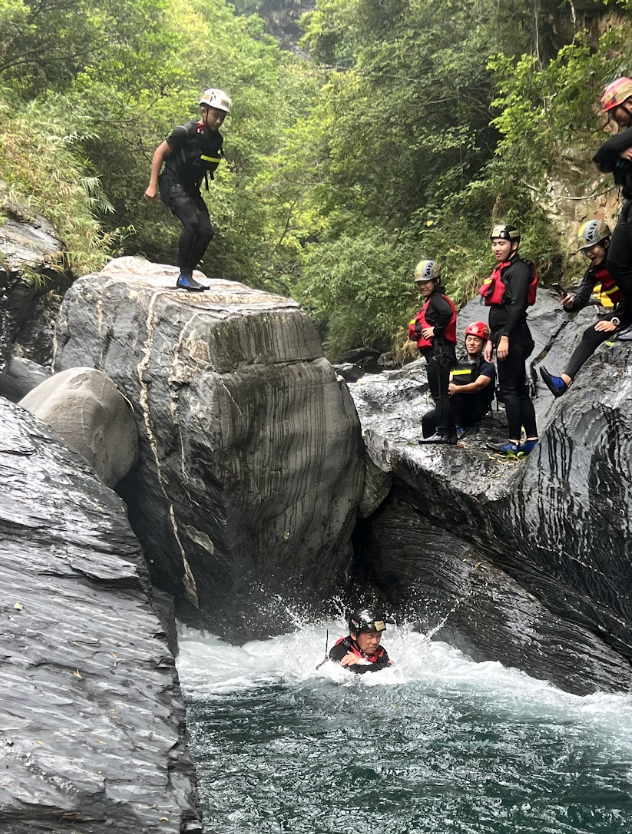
[190, 155]
[361, 651]
[593, 240]
[434, 331]
[471, 386]
[508, 292]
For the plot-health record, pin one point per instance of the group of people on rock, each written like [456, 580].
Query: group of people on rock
[463, 391]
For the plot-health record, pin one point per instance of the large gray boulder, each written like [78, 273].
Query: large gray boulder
[86, 410]
[250, 469]
[557, 525]
[92, 721]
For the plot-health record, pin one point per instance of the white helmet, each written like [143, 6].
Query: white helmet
[216, 98]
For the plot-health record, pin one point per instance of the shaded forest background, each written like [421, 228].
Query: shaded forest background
[395, 130]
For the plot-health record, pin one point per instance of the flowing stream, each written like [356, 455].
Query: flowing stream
[437, 744]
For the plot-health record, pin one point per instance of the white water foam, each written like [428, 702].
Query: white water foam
[210, 668]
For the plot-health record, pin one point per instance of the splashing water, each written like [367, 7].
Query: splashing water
[437, 744]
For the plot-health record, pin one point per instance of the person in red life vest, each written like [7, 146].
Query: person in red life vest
[190, 155]
[593, 240]
[508, 293]
[471, 386]
[615, 157]
[434, 331]
[361, 651]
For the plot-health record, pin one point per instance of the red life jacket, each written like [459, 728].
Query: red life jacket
[419, 323]
[372, 658]
[608, 285]
[494, 289]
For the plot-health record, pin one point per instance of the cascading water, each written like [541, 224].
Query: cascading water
[435, 745]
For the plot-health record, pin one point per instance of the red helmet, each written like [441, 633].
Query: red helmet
[478, 328]
[616, 93]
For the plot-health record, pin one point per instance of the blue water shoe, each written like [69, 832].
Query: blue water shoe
[185, 282]
[527, 447]
[509, 450]
[555, 384]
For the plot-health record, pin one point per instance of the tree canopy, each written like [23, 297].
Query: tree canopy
[399, 130]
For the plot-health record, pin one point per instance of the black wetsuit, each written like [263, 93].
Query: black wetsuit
[510, 319]
[467, 409]
[440, 357]
[592, 338]
[194, 155]
[376, 662]
[608, 161]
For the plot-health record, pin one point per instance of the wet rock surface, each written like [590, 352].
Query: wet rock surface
[29, 248]
[555, 525]
[86, 410]
[21, 376]
[92, 733]
[450, 589]
[250, 468]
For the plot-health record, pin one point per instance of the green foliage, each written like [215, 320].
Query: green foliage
[411, 128]
[41, 167]
[547, 117]
[354, 289]
[49, 44]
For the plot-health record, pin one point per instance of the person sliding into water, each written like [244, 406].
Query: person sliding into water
[361, 651]
[593, 240]
[190, 155]
[615, 157]
[508, 292]
[434, 331]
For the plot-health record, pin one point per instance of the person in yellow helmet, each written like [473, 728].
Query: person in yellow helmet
[593, 239]
[615, 157]
[190, 155]
[434, 331]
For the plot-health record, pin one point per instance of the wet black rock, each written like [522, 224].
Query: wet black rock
[92, 722]
[556, 525]
[21, 376]
[29, 248]
[250, 468]
[451, 590]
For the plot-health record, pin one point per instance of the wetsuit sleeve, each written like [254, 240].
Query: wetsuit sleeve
[520, 276]
[581, 298]
[487, 369]
[623, 312]
[607, 157]
[441, 313]
[178, 138]
[338, 651]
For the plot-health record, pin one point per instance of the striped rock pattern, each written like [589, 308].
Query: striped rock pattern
[250, 468]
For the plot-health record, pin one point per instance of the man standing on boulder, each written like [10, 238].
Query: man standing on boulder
[190, 154]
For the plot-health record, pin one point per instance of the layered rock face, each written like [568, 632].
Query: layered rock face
[550, 534]
[250, 468]
[92, 734]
